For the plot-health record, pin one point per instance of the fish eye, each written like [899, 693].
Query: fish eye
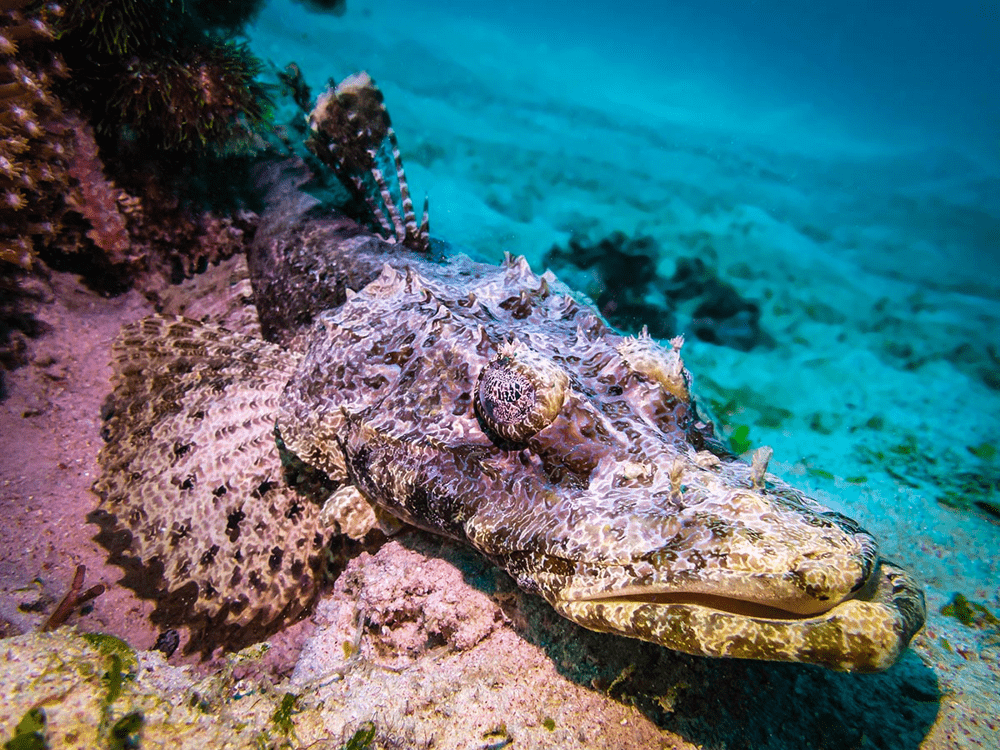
[519, 392]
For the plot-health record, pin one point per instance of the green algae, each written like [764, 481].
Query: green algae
[875, 423]
[29, 733]
[549, 723]
[821, 423]
[500, 730]
[363, 738]
[498, 736]
[971, 614]
[109, 645]
[96, 696]
[126, 732]
[115, 679]
[728, 405]
[123, 666]
[961, 480]
[989, 507]
[819, 473]
[282, 716]
[983, 451]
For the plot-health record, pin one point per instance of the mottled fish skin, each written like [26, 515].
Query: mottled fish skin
[383, 379]
[622, 512]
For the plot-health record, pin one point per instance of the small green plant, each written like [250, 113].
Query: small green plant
[363, 738]
[739, 440]
[29, 733]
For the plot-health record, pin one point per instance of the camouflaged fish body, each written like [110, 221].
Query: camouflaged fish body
[488, 404]
[616, 511]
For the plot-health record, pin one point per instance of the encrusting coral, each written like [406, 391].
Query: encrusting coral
[35, 147]
[95, 198]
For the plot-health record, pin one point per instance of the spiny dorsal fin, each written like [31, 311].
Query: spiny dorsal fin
[373, 206]
[415, 237]
[425, 224]
[398, 232]
[350, 127]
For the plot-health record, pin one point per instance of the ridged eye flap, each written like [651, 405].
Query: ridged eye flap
[519, 392]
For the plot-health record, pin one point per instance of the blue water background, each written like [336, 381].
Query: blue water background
[915, 68]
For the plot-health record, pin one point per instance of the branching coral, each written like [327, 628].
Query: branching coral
[202, 95]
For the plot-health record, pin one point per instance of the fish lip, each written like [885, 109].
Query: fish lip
[759, 608]
[865, 632]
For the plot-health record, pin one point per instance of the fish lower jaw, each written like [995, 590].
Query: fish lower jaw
[778, 596]
[866, 632]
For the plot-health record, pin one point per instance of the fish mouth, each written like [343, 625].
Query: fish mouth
[864, 632]
[781, 602]
[740, 607]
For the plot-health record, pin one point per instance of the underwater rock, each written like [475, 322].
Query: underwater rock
[624, 270]
[630, 293]
[97, 692]
[336, 7]
[394, 607]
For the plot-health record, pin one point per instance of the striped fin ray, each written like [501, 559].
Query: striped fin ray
[415, 237]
